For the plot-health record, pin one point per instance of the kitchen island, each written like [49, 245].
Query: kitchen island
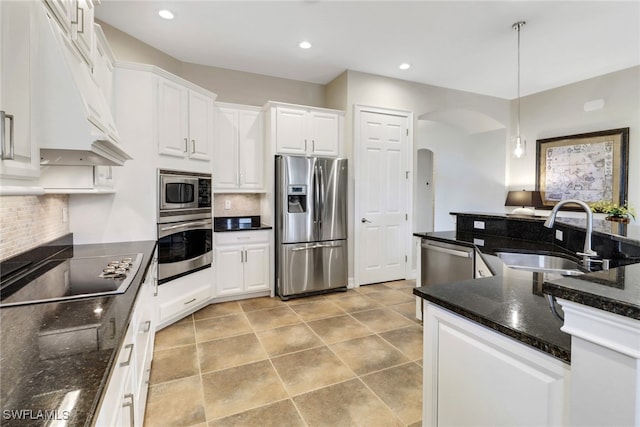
[494, 352]
[57, 358]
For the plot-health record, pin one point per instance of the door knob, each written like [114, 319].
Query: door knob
[364, 220]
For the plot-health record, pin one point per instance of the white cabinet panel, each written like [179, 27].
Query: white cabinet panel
[238, 150]
[172, 118]
[256, 268]
[185, 121]
[18, 47]
[307, 131]
[242, 262]
[200, 126]
[291, 131]
[229, 262]
[494, 378]
[325, 133]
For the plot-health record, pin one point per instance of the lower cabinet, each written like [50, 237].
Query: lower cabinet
[475, 376]
[126, 395]
[184, 295]
[242, 262]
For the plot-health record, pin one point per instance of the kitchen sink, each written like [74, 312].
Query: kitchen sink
[544, 263]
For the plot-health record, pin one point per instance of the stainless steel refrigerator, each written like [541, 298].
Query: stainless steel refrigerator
[311, 225]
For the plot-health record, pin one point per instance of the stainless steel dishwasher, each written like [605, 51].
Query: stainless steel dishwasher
[445, 263]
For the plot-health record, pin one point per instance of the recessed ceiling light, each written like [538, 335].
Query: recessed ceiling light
[404, 66]
[166, 14]
[305, 45]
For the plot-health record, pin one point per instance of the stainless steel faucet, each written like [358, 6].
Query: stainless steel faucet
[587, 252]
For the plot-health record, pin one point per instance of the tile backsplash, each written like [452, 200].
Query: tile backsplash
[29, 221]
[239, 204]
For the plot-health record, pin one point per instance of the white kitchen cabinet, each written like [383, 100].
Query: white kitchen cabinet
[238, 154]
[307, 131]
[103, 62]
[126, 394]
[77, 179]
[185, 121]
[82, 29]
[18, 42]
[64, 11]
[476, 376]
[242, 262]
[184, 295]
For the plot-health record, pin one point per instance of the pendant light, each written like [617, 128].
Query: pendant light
[520, 144]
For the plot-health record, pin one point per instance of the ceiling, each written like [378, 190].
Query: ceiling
[465, 45]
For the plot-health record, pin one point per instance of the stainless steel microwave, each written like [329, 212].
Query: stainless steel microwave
[183, 194]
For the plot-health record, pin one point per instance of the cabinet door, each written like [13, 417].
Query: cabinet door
[82, 29]
[200, 126]
[225, 150]
[290, 131]
[324, 133]
[16, 38]
[64, 11]
[256, 267]
[251, 150]
[172, 118]
[229, 264]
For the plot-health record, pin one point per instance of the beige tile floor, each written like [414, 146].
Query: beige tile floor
[340, 359]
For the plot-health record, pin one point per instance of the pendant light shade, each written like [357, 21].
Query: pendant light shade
[519, 143]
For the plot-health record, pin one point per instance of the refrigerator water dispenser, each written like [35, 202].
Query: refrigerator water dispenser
[297, 199]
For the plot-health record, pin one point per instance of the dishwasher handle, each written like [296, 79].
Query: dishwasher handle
[454, 252]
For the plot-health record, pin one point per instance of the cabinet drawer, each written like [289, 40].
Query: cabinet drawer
[241, 237]
[184, 303]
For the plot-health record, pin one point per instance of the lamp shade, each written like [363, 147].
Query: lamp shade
[524, 198]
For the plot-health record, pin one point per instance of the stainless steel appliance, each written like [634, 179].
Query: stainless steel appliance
[185, 224]
[445, 263]
[71, 278]
[183, 195]
[311, 225]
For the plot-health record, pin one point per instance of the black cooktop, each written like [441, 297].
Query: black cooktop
[71, 278]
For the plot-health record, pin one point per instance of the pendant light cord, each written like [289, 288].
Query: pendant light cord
[518, 26]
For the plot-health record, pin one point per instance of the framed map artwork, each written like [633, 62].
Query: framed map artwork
[588, 167]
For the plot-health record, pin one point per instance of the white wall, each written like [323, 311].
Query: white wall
[469, 170]
[560, 112]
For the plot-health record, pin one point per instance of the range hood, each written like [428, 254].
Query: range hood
[73, 124]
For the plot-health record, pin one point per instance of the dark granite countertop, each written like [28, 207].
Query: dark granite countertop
[238, 223]
[57, 350]
[512, 301]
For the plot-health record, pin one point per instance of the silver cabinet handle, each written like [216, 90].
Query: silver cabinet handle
[128, 361]
[193, 146]
[313, 145]
[147, 327]
[186, 145]
[3, 155]
[364, 220]
[305, 145]
[190, 301]
[131, 409]
[78, 20]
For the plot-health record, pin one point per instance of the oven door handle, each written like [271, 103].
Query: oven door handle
[193, 225]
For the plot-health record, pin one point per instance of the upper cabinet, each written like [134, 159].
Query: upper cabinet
[307, 130]
[185, 121]
[82, 30]
[19, 153]
[238, 154]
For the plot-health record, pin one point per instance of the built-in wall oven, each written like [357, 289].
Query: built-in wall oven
[185, 225]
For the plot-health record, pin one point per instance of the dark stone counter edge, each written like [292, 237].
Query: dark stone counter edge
[135, 287]
[555, 351]
[600, 302]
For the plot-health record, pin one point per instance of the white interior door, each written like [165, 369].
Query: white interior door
[381, 187]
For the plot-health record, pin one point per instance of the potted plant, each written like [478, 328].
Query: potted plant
[614, 212]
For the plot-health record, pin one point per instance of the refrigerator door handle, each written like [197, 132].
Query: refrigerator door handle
[317, 246]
